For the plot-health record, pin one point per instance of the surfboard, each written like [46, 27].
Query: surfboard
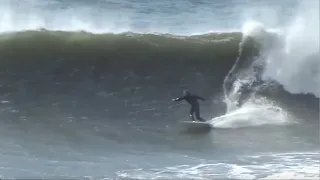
[196, 125]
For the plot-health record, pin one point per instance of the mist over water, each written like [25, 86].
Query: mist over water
[295, 64]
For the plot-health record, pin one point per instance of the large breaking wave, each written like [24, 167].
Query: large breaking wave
[134, 73]
[138, 73]
[113, 75]
[104, 92]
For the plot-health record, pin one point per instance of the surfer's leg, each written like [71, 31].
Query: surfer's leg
[191, 113]
[192, 118]
[197, 111]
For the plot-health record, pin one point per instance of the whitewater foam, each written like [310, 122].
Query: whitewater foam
[277, 166]
[255, 112]
[289, 56]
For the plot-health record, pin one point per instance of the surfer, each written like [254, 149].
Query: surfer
[193, 101]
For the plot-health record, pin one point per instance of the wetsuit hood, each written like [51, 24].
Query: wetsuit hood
[186, 93]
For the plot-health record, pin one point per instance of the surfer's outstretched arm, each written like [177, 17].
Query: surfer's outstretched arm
[178, 99]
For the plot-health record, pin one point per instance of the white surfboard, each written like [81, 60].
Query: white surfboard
[196, 125]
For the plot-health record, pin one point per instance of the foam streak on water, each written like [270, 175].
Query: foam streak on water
[256, 112]
[280, 166]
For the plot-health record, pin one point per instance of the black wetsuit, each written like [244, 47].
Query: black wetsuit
[195, 108]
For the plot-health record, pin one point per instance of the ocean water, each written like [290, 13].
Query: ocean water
[86, 89]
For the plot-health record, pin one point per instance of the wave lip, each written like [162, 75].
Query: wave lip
[42, 46]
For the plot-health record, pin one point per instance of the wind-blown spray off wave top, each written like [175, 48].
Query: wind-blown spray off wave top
[295, 62]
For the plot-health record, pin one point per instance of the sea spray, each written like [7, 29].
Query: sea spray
[295, 63]
[232, 85]
[243, 82]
